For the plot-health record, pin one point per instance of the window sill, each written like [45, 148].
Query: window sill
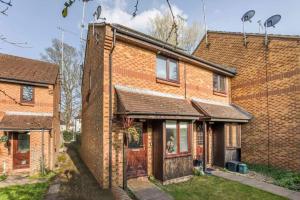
[222, 94]
[27, 103]
[232, 148]
[178, 155]
[175, 84]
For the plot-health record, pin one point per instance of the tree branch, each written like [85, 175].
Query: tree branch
[4, 11]
[135, 8]
[6, 3]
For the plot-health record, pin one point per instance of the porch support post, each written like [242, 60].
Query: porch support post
[204, 145]
[124, 160]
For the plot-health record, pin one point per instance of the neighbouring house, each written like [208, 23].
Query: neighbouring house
[29, 114]
[267, 84]
[149, 108]
[77, 123]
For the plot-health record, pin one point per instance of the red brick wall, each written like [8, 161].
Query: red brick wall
[272, 137]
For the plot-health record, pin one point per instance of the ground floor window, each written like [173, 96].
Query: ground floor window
[177, 137]
[233, 136]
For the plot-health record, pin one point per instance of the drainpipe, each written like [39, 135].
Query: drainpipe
[43, 156]
[110, 107]
[204, 145]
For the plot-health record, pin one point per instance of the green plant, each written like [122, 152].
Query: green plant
[3, 177]
[68, 136]
[4, 138]
[283, 178]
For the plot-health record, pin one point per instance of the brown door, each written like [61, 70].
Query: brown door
[137, 152]
[21, 150]
[218, 144]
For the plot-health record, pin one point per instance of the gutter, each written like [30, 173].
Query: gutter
[110, 106]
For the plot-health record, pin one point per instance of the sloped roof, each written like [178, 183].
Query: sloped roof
[132, 103]
[27, 70]
[222, 112]
[25, 122]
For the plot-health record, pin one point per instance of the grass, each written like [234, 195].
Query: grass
[211, 187]
[24, 192]
[3, 177]
[283, 178]
[48, 176]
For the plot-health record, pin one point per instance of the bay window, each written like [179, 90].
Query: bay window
[177, 137]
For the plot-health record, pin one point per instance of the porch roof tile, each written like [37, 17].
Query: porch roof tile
[25, 122]
[133, 103]
[222, 112]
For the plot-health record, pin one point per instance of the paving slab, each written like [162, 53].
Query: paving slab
[290, 194]
[143, 189]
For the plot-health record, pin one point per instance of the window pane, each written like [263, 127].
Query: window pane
[215, 82]
[23, 143]
[27, 93]
[222, 84]
[173, 70]
[234, 136]
[135, 137]
[161, 67]
[171, 140]
[183, 136]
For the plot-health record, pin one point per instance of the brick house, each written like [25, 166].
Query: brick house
[267, 84]
[150, 109]
[29, 114]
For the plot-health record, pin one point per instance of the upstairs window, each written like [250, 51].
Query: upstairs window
[219, 83]
[166, 69]
[27, 94]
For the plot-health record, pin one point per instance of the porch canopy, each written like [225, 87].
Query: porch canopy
[25, 122]
[136, 104]
[215, 111]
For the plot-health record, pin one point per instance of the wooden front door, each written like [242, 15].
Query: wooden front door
[137, 152]
[218, 144]
[21, 150]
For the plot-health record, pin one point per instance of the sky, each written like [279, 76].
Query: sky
[35, 21]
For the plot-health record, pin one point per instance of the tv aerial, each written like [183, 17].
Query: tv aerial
[247, 18]
[270, 22]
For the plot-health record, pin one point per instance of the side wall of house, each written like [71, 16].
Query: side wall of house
[273, 135]
[92, 137]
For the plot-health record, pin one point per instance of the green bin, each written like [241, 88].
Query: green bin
[242, 168]
[232, 166]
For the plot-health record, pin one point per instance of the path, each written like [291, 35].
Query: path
[75, 182]
[259, 184]
[143, 189]
[19, 180]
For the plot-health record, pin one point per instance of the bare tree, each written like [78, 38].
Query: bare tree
[187, 36]
[71, 72]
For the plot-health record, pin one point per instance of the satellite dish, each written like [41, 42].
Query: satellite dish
[271, 21]
[248, 15]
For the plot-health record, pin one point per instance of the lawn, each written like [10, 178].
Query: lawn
[211, 187]
[24, 192]
[283, 178]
